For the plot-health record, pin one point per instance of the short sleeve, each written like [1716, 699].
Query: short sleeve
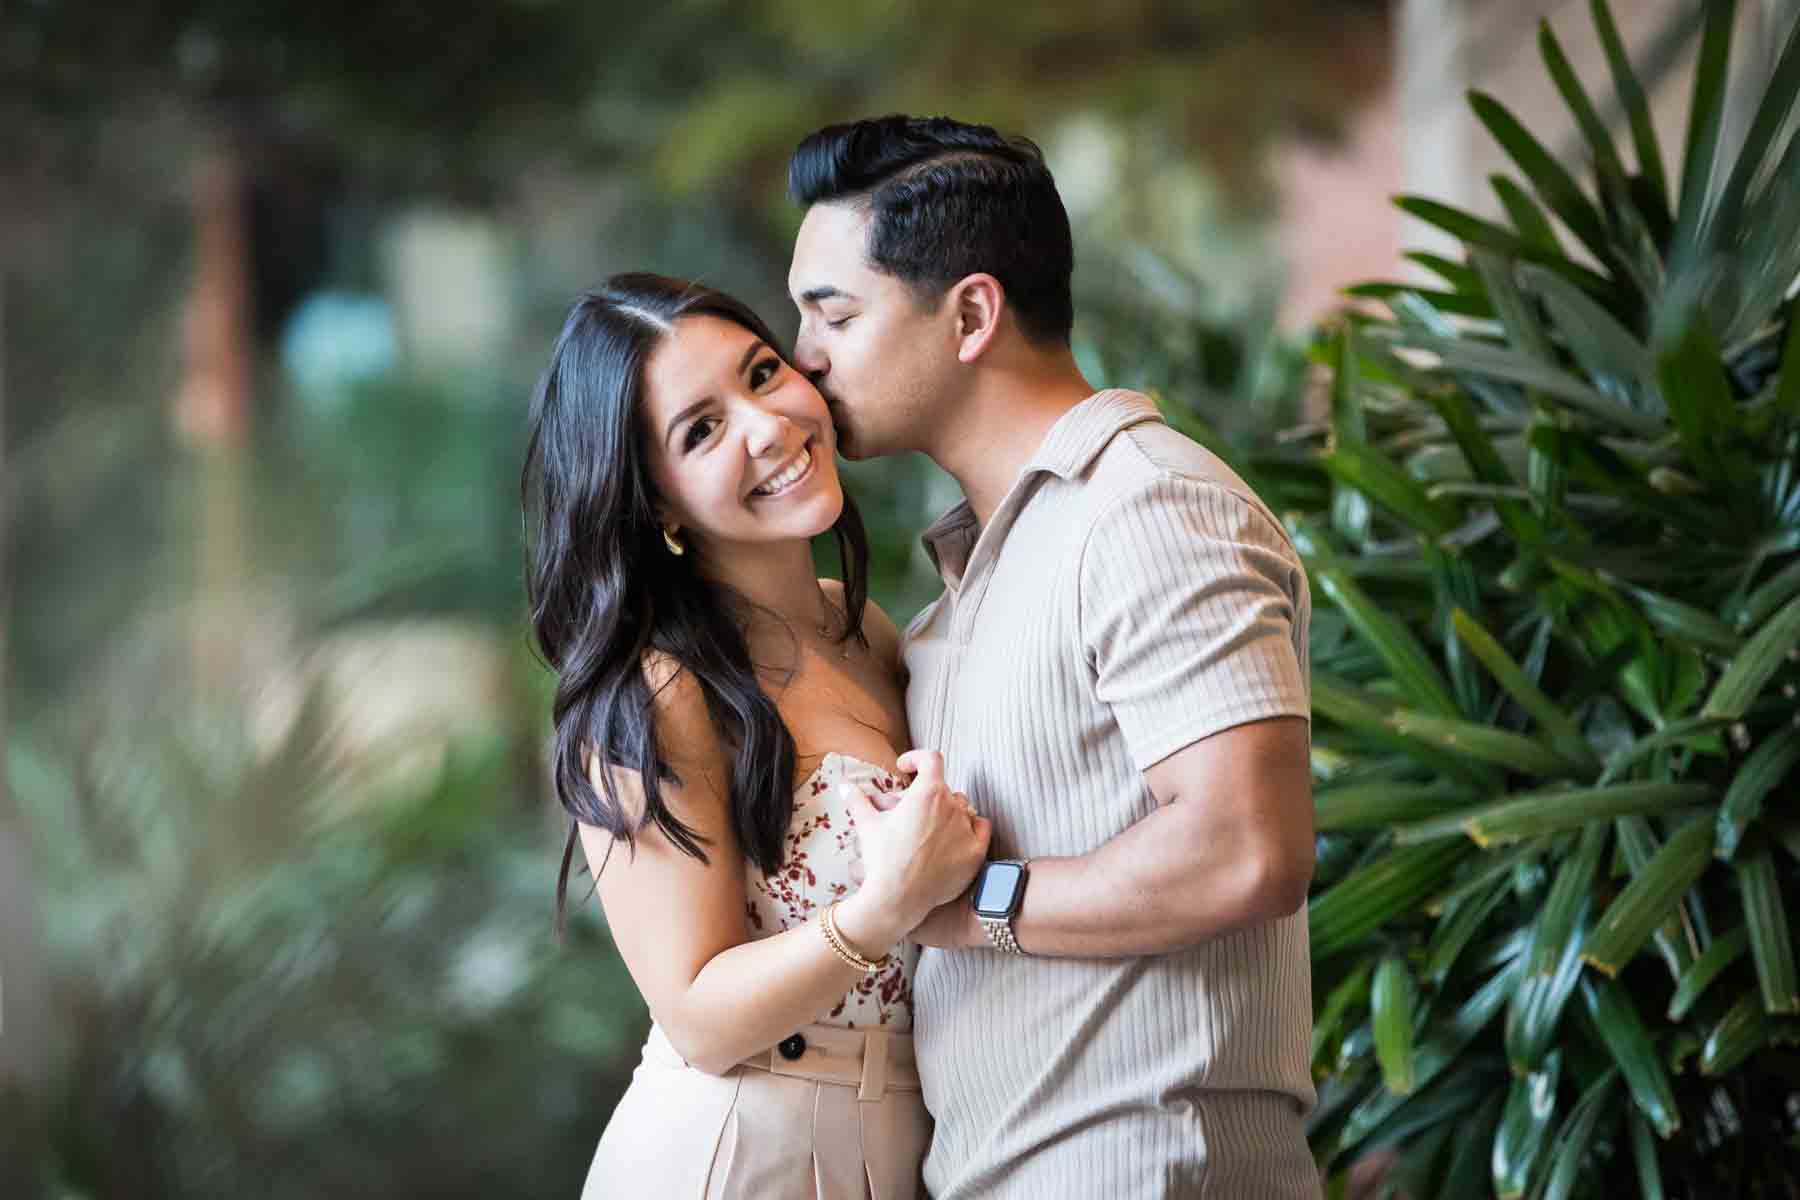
[1194, 610]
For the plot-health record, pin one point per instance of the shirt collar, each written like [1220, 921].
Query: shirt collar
[1076, 439]
[1081, 433]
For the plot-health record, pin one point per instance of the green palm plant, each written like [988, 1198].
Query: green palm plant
[1553, 532]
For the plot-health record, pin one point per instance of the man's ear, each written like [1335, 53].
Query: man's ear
[978, 301]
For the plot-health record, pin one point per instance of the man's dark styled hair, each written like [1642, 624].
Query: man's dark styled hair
[948, 200]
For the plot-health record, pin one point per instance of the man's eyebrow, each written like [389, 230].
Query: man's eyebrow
[750, 352]
[823, 292]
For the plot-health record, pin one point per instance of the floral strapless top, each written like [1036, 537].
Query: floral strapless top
[822, 863]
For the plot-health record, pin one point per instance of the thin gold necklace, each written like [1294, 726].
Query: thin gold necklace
[825, 627]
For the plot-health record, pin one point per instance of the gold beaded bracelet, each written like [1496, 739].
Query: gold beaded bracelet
[828, 926]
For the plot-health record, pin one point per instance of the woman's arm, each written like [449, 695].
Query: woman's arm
[681, 925]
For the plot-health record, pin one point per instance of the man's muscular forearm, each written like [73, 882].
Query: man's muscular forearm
[1230, 845]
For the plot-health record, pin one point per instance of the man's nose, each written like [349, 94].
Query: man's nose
[810, 358]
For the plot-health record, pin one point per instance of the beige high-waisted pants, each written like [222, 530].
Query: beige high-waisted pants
[842, 1120]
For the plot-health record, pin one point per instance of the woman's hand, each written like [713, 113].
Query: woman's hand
[918, 853]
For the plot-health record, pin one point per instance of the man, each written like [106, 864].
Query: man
[1115, 674]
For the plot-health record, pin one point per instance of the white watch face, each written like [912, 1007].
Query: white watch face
[999, 883]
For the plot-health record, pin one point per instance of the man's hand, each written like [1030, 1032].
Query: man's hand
[951, 926]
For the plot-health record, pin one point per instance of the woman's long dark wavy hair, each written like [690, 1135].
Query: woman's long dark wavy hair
[606, 595]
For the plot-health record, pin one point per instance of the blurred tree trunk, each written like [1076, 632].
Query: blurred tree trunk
[211, 408]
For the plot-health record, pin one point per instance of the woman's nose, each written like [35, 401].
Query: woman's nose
[764, 431]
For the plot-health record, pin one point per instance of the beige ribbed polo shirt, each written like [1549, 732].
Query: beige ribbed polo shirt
[1130, 596]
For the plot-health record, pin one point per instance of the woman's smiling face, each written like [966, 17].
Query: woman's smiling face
[739, 444]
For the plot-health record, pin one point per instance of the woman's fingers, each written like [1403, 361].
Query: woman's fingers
[858, 801]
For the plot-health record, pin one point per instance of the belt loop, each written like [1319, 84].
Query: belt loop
[874, 1065]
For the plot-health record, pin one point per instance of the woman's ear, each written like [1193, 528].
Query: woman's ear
[979, 300]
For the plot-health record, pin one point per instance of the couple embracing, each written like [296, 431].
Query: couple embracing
[1009, 903]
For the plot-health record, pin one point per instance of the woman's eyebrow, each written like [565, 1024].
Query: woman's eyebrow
[750, 352]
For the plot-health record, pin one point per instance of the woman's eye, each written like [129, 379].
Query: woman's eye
[837, 324]
[696, 433]
[764, 370]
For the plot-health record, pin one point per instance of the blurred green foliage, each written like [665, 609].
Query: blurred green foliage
[1553, 533]
[274, 977]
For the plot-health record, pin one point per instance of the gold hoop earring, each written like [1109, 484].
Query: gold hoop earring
[675, 547]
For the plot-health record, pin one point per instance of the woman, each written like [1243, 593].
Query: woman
[733, 719]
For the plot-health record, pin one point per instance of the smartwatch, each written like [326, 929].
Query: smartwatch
[999, 888]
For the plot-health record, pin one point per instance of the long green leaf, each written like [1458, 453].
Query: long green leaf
[1481, 742]
[1471, 229]
[1616, 1018]
[1635, 105]
[1742, 1031]
[1485, 463]
[1551, 179]
[1684, 621]
[1777, 104]
[1787, 396]
[1477, 232]
[1558, 726]
[1692, 375]
[1460, 303]
[1675, 733]
[1441, 1048]
[1525, 1128]
[1760, 658]
[1349, 507]
[1649, 897]
[1587, 117]
[1694, 981]
[1771, 946]
[1554, 962]
[1372, 805]
[1411, 667]
[1392, 1003]
[1576, 1138]
[1706, 113]
[1600, 343]
[1674, 939]
[1361, 466]
[1566, 901]
[1459, 924]
[1348, 704]
[1466, 1175]
[1784, 585]
[1520, 322]
[1501, 362]
[1756, 777]
[1396, 883]
[1351, 993]
[1525, 215]
[1503, 865]
[1557, 809]
[1643, 1157]
[1455, 274]
[1767, 265]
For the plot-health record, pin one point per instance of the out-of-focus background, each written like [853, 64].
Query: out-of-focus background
[276, 845]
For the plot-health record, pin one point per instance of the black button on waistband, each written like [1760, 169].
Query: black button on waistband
[792, 1048]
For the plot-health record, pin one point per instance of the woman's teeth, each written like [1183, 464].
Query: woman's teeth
[788, 477]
